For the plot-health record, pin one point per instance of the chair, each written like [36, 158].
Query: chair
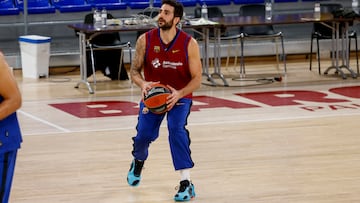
[68, 6]
[323, 32]
[36, 6]
[248, 1]
[99, 47]
[258, 32]
[284, 1]
[7, 7]
[108, 4]
[185, 3]
[151, 12]
[215, 2]
[213, 12]
[216, 12]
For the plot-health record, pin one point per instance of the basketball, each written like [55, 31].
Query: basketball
[155, 99]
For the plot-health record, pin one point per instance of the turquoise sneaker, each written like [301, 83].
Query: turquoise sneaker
[186, 191]
[134, 175]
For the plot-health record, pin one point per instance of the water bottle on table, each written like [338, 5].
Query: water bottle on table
[204, 11]
[103, 17]
[317, 11]
[268, 9]
[97, 19]
[355, 6]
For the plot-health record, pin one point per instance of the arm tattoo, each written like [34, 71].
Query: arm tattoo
[138, 61]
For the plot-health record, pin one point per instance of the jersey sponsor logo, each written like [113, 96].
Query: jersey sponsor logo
[171, 64]
[156, 63]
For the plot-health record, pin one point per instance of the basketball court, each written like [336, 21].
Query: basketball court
[293, 140]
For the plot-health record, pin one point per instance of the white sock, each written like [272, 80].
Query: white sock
[185, 174]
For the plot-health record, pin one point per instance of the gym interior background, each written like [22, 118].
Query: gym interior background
[64, 47]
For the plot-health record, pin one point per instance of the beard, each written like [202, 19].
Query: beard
[165, 25]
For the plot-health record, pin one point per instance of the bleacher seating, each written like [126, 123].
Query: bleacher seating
[36, 6]
[248, 1]
[14, 7]
[188, 3]
[63, 43]
[137, 4]
[284, 1]
[66, 6]
[108, 4]
[7, 7]
[215, 2]
[185, 3]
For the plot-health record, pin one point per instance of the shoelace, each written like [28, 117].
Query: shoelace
[181, 187]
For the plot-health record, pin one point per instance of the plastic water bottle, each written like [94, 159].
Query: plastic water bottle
[268, 9]
[97, 19]
[103, 17]
[204, 12]
[355, 6]
[317, 11]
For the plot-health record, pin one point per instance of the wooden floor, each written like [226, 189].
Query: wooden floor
[303, 153]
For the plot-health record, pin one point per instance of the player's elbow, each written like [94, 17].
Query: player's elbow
[17, 102]
[197, 82]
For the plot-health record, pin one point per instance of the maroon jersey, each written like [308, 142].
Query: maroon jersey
[167, 63]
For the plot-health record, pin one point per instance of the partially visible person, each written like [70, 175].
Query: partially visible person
[171, 57]
[10, 133]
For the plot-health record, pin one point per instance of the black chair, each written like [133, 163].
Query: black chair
[213, 12]
[258, 32]
[324, 31]
[105, 53]
[216, 12]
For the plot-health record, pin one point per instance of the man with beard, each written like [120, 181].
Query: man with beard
[169, 56]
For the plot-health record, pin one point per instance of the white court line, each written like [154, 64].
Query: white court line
[270, 119]
[45, 122]
[163, 125]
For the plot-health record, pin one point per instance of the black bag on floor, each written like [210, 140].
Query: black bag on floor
[108, 61]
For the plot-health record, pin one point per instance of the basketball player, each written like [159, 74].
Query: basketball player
[10, 135]
[169, 56]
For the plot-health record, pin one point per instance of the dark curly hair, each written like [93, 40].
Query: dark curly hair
[178, 7]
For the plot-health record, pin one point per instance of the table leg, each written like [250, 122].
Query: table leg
[83, 70]
[344, 51]
[205, 57]
[217, 57]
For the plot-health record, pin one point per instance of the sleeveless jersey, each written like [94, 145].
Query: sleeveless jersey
[167, 63]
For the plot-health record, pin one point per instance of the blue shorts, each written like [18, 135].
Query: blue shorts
[148, 131]
[7, 167]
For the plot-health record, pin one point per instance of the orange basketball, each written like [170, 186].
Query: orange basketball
[155, 99]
